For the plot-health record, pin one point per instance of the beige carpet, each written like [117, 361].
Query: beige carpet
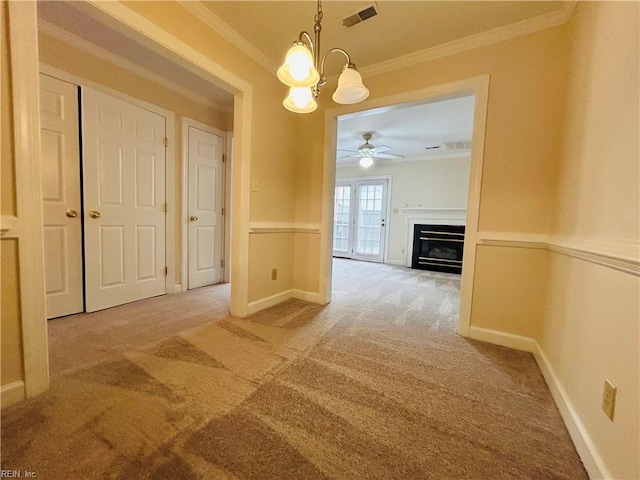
[374, 386]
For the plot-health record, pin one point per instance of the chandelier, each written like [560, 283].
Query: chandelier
[300, 72]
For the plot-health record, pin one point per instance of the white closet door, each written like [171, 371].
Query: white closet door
[60, 167]
[205, 152]
[124, 195]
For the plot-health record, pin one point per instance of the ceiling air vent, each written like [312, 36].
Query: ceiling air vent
[457, 145]
[360, 16]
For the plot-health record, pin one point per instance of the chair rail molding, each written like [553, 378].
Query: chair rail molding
[621, 255]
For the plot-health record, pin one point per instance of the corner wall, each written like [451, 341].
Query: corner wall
[590, 327]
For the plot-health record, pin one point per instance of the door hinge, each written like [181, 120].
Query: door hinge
[222, 262]
[222, 211]
[165, 140]
[166, 271]
[224, 158]
[165, 207]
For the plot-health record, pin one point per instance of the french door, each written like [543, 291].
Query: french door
[360, 211]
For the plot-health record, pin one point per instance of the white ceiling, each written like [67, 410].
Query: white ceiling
[401, 27]
[408, 130]
[265, 29]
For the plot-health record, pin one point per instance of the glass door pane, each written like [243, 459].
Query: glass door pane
[370, 214]
[342, 221]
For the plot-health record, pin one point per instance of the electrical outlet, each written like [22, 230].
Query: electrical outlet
[274, 274]
[609, 399]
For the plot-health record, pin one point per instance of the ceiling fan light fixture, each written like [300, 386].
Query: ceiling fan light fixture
[298, 69]
[350, 87]
[366, 161]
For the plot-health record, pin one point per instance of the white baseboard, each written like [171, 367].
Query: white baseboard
[313, 297]
[177, 288]
[12, 393]
[588, 452]
[267, 302]
[516, 342]
[585, 447]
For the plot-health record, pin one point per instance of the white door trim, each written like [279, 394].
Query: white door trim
[170, 163]
[186, 123]
[477, 86]
[23, 36]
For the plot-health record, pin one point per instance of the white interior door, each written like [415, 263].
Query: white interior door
[205, 150]
[124, 195]
[60, 168]
[360, 223]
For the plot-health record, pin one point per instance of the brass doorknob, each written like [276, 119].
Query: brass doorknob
[71, 213]
[94, 214]
[193, 218]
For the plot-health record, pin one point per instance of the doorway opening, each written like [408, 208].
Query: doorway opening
[474, 93]
[159, 251]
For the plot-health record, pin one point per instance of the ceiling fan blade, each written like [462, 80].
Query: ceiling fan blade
[391, 156]
[380, 149]
[348, 157]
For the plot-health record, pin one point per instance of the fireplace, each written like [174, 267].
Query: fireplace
[438, 247]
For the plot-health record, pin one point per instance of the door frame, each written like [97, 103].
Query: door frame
[374, 178]
[186, 123]
[172, 278]
[477, 86]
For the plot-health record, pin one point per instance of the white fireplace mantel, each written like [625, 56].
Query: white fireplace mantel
[430, 216]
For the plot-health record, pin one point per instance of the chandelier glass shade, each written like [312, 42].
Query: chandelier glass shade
[303, 68]
[298, 69]
[300, 100]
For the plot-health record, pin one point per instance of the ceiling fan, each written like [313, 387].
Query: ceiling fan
[367, 152]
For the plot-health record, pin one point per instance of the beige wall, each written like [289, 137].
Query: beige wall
[522, 135]
[509, 289]
[598, 187]
[272, 143]
[269, 251]
[590, 333]
[11, 340]
[7, 169]
[433, 183]
[561, 158]
[12, 365]
[590, 328]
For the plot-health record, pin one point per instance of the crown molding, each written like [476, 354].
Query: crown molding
[92, 49]
[202, 13]
[506, 32]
